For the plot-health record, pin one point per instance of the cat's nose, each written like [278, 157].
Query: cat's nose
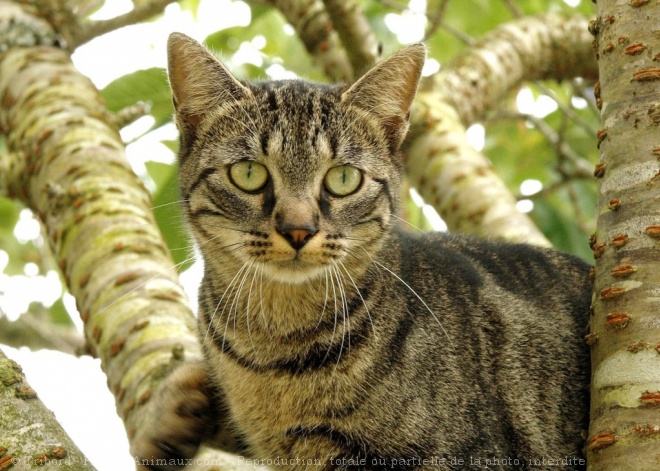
[297, 237]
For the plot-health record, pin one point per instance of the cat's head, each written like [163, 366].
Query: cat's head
[291, 175]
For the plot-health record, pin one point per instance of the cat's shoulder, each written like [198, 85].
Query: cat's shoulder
[465, 253]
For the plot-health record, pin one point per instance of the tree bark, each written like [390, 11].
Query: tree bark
[314, 27]
[625, 326]
[354, 31]
[83, 32]
[66, 162]
[30, 437]
[449, 174]
[36, 331]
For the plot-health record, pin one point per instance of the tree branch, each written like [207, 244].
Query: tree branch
[625, 321]
[435, 19]
[354, 31]
[567, 110]
[37, 332]
[458, 181]
[91, 29]
[11, 169]
[532, 48]
[28, 28]
[582, 167]
[312, 23]
[513, 8]
[30, 435]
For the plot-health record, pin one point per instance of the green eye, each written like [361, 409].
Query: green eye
[342, 181]
[248, 176]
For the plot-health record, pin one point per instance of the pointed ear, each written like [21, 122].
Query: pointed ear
[198, 80]
[387, 90]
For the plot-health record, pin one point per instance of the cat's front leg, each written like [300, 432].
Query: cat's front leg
[184, 413]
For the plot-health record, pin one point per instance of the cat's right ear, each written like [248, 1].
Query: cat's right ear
[387, 90]
[199, 81]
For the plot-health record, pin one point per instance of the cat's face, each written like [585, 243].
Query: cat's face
[288, 176]
[283, 179]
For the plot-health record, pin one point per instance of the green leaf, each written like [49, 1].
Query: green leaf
[531, 157]
[59, 314]
[167, 212]
[227, 41]
[9, 212]
[191, 6]
[148, 85]
[171, 145]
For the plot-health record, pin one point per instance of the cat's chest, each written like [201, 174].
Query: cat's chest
[270, 404]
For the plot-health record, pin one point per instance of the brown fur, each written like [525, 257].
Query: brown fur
[331, 336]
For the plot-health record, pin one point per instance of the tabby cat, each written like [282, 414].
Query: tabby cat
[333, 338]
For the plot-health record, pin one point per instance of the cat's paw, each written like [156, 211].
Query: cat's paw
[183, 415]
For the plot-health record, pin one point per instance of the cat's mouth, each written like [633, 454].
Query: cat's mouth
[287, 262]
[293, 271]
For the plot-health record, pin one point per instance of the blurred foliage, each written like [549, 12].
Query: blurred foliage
[280, 47]
[149, 86]
[20, 253]
[168, 214]
[518, 149]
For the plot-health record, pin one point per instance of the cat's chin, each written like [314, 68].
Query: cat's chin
[293, 272]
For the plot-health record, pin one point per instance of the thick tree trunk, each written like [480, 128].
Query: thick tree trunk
[625, 327]
[66, 162]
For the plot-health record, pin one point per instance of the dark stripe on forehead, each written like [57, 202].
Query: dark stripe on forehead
[272, 100]
[265, 137]
[311, 105]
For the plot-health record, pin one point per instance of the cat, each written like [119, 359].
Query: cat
[332, 337]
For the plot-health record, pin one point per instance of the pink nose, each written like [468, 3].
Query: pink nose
[297, 237]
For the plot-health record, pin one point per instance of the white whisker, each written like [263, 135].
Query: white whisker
[357, 290]
[418, 297]
[228, 290]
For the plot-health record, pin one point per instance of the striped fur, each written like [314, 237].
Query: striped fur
[367, 345]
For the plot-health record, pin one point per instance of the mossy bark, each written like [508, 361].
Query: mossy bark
[30, 437]
[625, 326]
[66, 162]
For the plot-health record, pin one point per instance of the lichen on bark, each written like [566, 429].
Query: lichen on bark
[69, 167]
[30, 437]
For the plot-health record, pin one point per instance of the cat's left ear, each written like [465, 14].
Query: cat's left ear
[388, 89]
